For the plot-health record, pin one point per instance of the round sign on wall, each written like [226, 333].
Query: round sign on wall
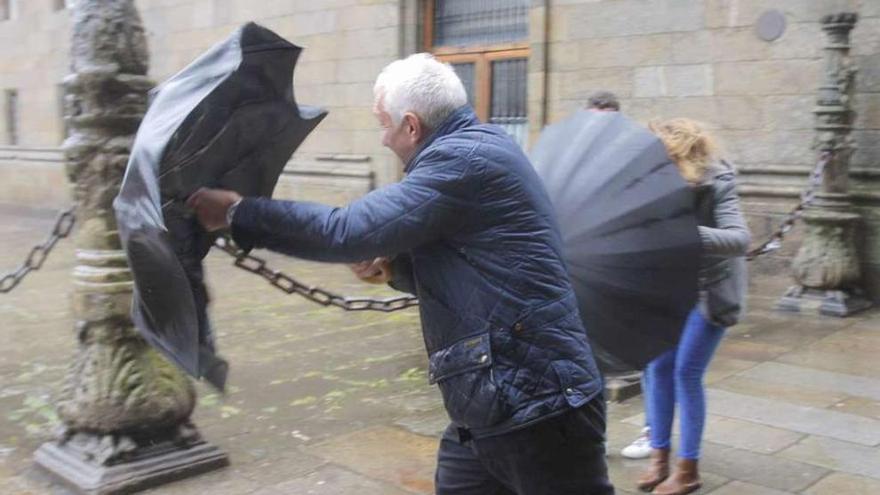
[771, 25]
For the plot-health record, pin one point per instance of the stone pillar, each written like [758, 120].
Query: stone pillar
[827, 268]
[125, 409]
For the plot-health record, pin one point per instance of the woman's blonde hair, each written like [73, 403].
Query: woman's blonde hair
[688, 144]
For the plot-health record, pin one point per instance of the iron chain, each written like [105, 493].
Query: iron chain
[290, 285]
[774, 242]
[254, 264]
[35, 259]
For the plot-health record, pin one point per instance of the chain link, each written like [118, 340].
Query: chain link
[774, 242]
[35, 259]
[290, 285]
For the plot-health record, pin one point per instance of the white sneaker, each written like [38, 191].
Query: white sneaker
[640, 448]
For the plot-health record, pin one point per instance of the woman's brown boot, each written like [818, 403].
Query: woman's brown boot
[658, 470]
[685, 479]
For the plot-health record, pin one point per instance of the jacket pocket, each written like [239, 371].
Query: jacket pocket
[714, 274]
[571, 379]
[722, 301]
[463, 371]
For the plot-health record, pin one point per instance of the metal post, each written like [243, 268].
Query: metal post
[826, 267]
[125, 409]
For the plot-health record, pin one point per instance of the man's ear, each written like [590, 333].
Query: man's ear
[413, 126]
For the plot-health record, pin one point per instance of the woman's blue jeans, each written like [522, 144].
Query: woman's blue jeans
[677, 377]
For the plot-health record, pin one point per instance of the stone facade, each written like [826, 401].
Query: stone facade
[34, 59]
[347, 42]
[695, 58]
[704, 59]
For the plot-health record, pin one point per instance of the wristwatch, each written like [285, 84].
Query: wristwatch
[230, 212]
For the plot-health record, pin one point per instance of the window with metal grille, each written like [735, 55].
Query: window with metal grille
[465, 72]
[11, 116]
[508, 108]
[486, 42]
[470, 23]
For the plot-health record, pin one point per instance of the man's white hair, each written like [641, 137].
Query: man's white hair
[420, 84]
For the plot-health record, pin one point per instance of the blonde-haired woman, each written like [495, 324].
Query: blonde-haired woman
[677, 376]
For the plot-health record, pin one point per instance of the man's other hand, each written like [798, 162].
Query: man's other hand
[210, 206]
[377, 271]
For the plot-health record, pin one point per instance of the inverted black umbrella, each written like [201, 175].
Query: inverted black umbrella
[229, 120]
[629, 231]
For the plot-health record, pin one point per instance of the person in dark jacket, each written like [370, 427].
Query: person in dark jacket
[471, 231]
[612, 367]
[603, 101]
[677, 376]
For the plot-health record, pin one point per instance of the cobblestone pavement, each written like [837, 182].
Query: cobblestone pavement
[326, 402]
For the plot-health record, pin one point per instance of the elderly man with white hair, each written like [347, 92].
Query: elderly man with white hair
[471, 231]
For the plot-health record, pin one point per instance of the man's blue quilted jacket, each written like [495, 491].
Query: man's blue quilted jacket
[473, 234]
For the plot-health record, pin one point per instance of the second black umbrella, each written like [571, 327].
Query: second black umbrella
[629, 231]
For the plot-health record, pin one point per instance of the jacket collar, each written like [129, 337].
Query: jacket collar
[462, 117]
[714, 170]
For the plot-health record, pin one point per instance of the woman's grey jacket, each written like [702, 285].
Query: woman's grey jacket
[725, 239]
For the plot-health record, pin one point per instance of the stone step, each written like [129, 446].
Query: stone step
[814, 421]
[858, 386]
[837, 455]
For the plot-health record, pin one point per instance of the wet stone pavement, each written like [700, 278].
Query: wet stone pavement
[327, 402]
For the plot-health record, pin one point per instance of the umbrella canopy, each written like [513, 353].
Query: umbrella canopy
[629, 231]
[229, 120]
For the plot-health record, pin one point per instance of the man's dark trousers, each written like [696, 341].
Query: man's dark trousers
[563, 455]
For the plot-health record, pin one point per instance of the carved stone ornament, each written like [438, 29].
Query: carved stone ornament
[826, 267]
[125, 409]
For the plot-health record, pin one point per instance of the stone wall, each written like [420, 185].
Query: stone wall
[347, 42]
[44, 184]
[703, 59]
[696, 58]
[33, 60]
